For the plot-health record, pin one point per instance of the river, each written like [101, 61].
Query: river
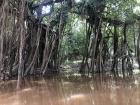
[104, 90]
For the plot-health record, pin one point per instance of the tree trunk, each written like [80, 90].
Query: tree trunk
[22, 42]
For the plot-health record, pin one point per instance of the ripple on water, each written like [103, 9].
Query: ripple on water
[62, 91]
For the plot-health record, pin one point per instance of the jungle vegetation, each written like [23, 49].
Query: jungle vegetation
[38, 36]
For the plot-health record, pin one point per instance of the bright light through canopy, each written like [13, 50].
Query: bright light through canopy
[77, 1]
[137, 9]
[138, 1]
[46, 9]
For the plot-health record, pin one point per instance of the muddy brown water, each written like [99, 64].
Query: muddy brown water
[72, 91]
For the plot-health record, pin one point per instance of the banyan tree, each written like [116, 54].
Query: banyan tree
[32, 31]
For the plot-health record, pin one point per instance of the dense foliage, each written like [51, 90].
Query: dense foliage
[37, 36]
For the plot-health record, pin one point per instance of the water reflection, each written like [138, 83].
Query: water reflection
[63, 91]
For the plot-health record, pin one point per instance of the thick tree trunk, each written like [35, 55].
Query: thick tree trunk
[138, 46]
[115, 60]
[2, 33]
[124, 48]
[22, 41]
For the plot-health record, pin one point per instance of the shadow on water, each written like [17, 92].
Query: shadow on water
[63, 90]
